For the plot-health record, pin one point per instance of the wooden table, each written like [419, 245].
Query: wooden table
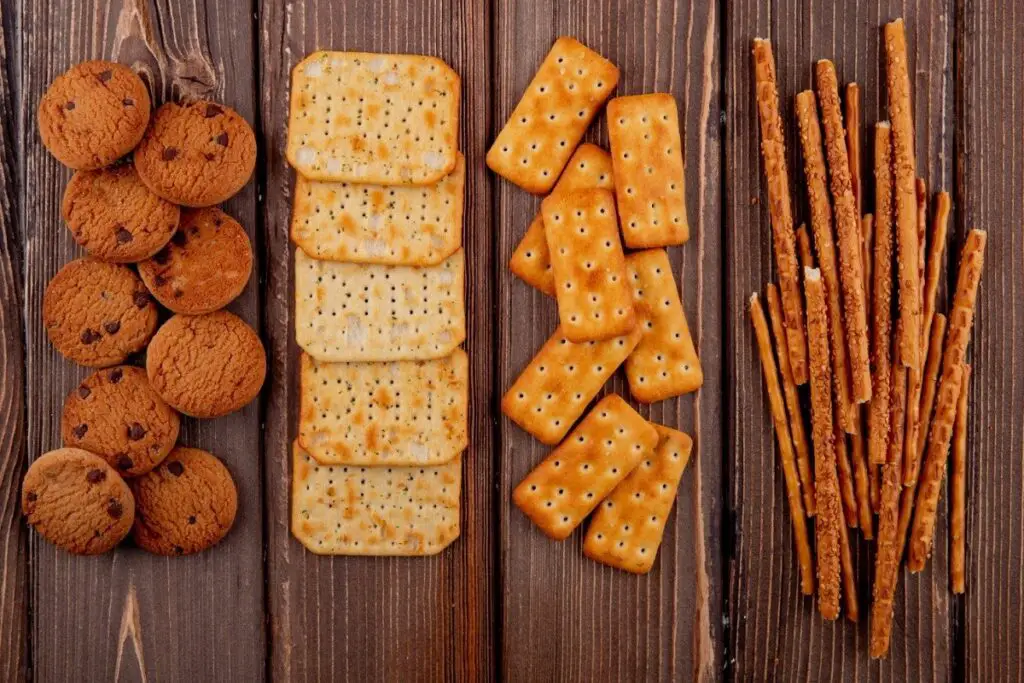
[722, 601]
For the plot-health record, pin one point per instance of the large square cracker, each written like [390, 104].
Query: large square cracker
[590, 166]
[647, 154]
[392, 224]
[555, 388]
[373, 118]
[362, 312]
[399, 413]
[349, 510]
[664, 363]
[552, 116]
[595, 300]
[606, 446]
[627, 528]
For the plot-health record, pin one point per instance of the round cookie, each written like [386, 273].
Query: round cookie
[206, 365]
[93, 114]
[197, 154]
[185, 505]
[115, 217]
[97, 313]
[115, 414]
[76, 501]
[204, 267]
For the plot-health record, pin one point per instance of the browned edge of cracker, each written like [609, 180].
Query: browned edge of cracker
[958, 489]
[931, 380]
[881, 293]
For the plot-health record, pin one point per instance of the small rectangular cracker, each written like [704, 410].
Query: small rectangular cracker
[595, 301]
[348, 510]
[664, 363]
[390, 224]
[373, 118]
[555, 388]
[362, 312]
[589, 167]
[555, 111]
[606, 446]
[398, 413]
[627, 528]
[647, 155]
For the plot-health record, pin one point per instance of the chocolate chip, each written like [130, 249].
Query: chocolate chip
[123, 236]
[159, 280]
[128, 102]
[175, 468]
[178, 550]
[90, 335]
[31, 496]
[124, 462]
[213, 110]
[80, 430]
[208, 156]
[193, 231]
[115, 509]
[169, 154]
[105, 76]
[70, 105]
[179, 238]
[115, 375]
[178, 293]
[162, 257]
[218, 222]
[191, 519]
[95, 476]
[222, 139]
[136, 432]
[112, 327]
[141, 299]
[84, 391]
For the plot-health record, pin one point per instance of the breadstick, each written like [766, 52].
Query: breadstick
[829, 517]
[931, 375]
[851, 273]
[821, 224]
[961, 319]
[940, 223]
[915, 377]
[853, 142]
[789, 465]
[846, 492]
[796, 419]
[860, 478]
[875, 487]
[881, 292]
[848, 574]
[803, 247]
[958, 488]
[780, 206]
[905, 170]
[867, 236]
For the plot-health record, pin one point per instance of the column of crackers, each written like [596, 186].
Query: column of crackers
[379, 303]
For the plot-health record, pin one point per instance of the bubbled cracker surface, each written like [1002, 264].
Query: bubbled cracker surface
[610, 441]
[373, 118]
[351, 510]
[554, 389]
[664, 363]
[397, 413]
[648, 158]
[389, 224]
[627, 529]
[362, 312]
[552, 116]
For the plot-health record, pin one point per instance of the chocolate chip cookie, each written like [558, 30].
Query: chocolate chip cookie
[206, 365]
[185, 505]
[197, 154]
[115, 414]
[115, 217]
[205, 266]
[97, 313]
[77, 502]
[93, 114]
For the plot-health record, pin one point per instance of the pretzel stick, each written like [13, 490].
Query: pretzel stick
[931, 375]
[961, 319]
[789, 469]
[867, 236]
[773, 149]
[853, 142]
[881, 291]
[940, 223]
[915, 377]
[958, 488]
[860, 478]
[851, 273]
[821, 224]
[803, 247]
[875, 487]
[848, 574]
[796, 418]
[828, 521]
[904, 166]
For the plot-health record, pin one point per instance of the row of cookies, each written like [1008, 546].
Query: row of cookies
[379, 303]
[615, 308]
[120, 465]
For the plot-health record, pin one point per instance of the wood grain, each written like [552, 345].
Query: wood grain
[773, 631]
[400, 619]
[565, 617]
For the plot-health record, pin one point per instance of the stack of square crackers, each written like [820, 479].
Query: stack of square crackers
[379, 303]
[615, 307]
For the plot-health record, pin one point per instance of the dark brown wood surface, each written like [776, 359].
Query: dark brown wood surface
[504, 601]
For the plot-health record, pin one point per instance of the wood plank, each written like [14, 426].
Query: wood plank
[565, 617]
[773, 630]
[353, 618]
[133, 615]
[990, 187]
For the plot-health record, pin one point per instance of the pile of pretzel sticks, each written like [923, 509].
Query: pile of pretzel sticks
[887, 374]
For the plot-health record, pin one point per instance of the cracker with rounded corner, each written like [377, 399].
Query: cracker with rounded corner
[396, 413]
[362, 117]
[365, 312]
[350, 510]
